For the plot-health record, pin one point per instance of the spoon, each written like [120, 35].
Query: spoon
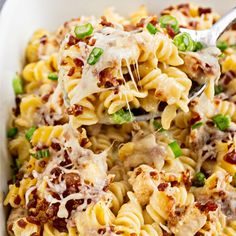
[208, 38]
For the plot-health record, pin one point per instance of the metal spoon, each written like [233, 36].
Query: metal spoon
[208, 38]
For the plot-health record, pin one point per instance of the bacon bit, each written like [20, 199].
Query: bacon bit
[116, 90]
[60, 225]
[133, 234]
[196, 117]
[138, 171]
[107, 79]
[141, 23]
[104, 22]
[43, 39]
[32, 203]
[75, 110]
[228, 76]
[130, 27]
[71, 71]
[72, 40]
[183, 5]
[174, 183]
[56, 171]
[204, 11]
[102, 231]
[17, 200]
[230, 157]
[56, 146]
[42, 164]
[72, 182]
[193, 24]
[166, 10]
[162, 106]
[46, 97]
[92, 42]
[162, 186]
[208, 206]
[154, 175]
[89, 201]
[16, 110]
[170, 31]
[21, 223]
[33, 220]
[187, 179]
[119, 232]
[84, 141]
[154, 20]
[78, 62]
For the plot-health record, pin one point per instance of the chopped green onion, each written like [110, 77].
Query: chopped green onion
[157, 125]
[199, 179]
[171, 21]
[175, 149]
[53, 76]
[234, 180]
[218, 89]
[198, 46]
[11, 133]
[83, 31]
[184, 42]
[29, 133]
[222, 122]
[94, 56]
[197, 125]
[41, 154]
[122, 116]
[17, 85]
[151, 28]
[222, 45]
[222, 55]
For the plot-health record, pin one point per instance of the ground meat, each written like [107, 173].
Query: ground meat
[162, 186]
[104, 22]
[75, 110]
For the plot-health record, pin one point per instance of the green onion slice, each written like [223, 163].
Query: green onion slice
[175, 149]
[122, 116]
[11, 133]
[197, 125]
[29, 133]
[94, 56]
[222, 122]
[157, 125]
[17, 85]
[222, 45]
[41, 154]
[218, 89]
[53, 76]
[198, 46]
[184, 42]
[169, 20]
[151, 28]
[199, 179]
[83, 31]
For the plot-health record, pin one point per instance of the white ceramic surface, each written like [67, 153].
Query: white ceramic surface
[18, 20]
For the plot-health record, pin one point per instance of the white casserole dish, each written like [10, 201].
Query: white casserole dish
[19, 19]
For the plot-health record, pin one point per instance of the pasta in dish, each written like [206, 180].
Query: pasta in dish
[83, 166]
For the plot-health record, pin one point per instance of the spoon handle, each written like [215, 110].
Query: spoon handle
[220, 26]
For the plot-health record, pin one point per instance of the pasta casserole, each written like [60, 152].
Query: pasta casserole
[84, 164]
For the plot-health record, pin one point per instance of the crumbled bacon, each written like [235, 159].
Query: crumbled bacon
[84, 141]
[45, 97]
[104, 22]
[72, 40]
[130, 27]
[107, 79]
[208, 206]
[102, 231]
[141, 23]
[230, 157]
[75, 110]
[33, 220]
[154, 175]
[204, 10]
[71, 71]
[60, 225]
[187, 179]
[183, 5]
[162, 186]
[34, 234]
[170, 31]
[78, 62]
[17, 200]
[153, 20]
[227, 77]
[22, 224]
[196, 117]
[43, 39]
[193, 24]
[56, 146]
[16, 110]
